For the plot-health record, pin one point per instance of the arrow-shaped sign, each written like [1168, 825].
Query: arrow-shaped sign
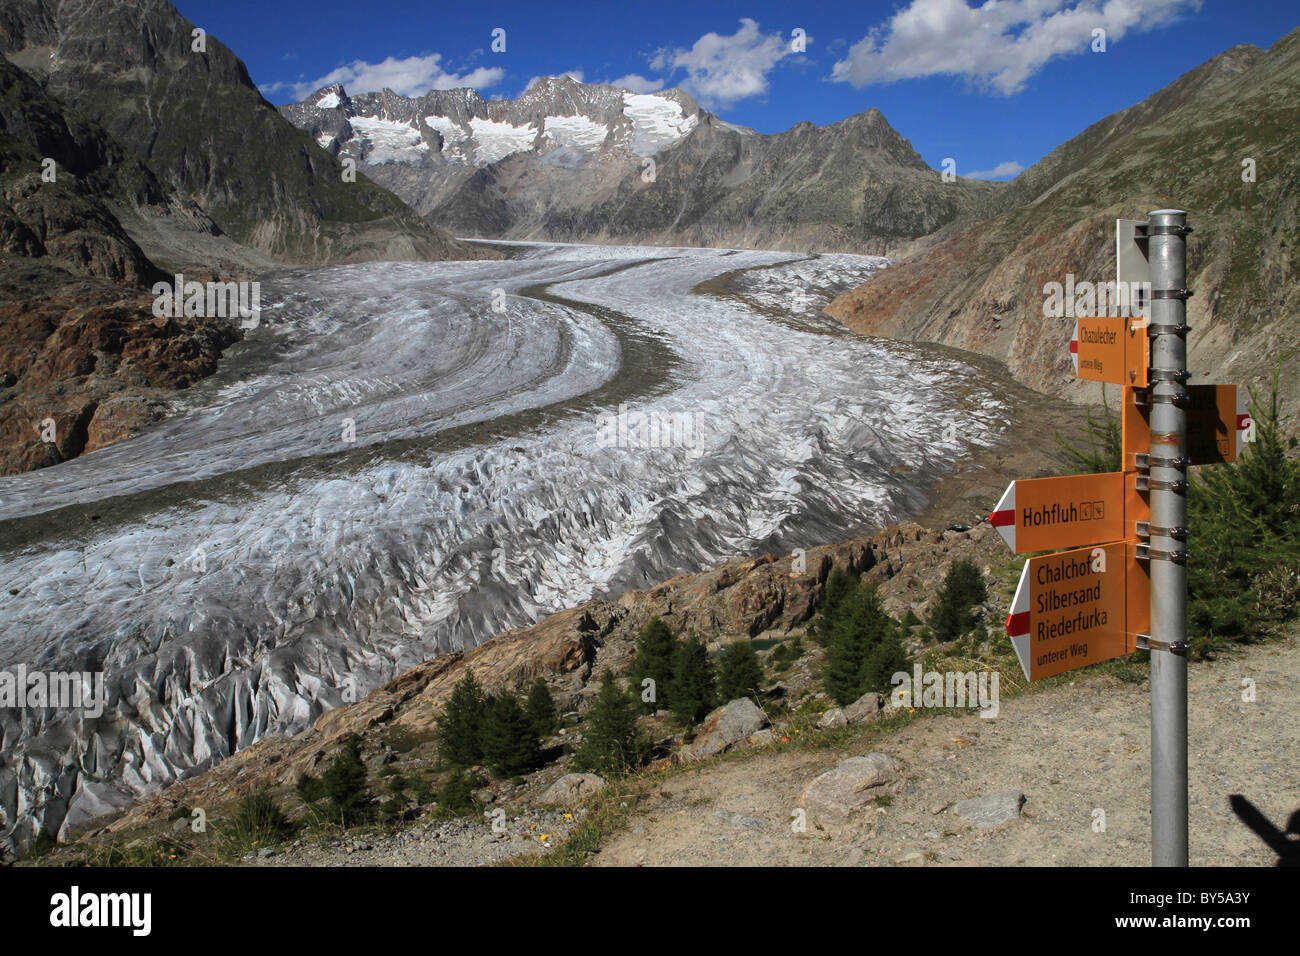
[1044, 514]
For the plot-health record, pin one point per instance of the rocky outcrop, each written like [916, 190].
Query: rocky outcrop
[571, 161]
[1188, 146]
[89, 364]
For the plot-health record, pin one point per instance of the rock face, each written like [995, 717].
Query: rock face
[834, 797]
[982, 287]
[725, 727]
[570, 161]
[196, 121]
[89, 365]
[572, 789]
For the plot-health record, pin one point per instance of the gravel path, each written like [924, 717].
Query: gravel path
[1071, 750]
[436, 843]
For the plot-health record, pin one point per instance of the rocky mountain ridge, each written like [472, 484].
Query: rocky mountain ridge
[570, 161]
[1219, 142]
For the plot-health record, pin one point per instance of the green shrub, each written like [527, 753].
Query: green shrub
[963, 587]
[864, 648]
[509, 741]
[257, 822]
[653, 661]
[739, 673]
[458, 726]
[691, 691]
[346, 788]
[611, 744]
[541, 709]
[456, 797]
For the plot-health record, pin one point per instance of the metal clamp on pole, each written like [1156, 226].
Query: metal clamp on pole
[1145, 461]
[1144, 552]
[1146, 529]
[1172, 293]
[1167, 375]
[1154, 484]
[1180, 329]
[1165, 230]
[1145, 642]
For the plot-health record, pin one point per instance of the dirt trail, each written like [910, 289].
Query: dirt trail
[1070, 749]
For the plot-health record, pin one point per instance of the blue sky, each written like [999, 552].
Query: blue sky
[994, 85]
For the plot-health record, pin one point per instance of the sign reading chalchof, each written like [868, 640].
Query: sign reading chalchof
[1069, 610]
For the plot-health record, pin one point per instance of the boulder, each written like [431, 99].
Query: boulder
[865, 709]
[573, 788]
[832, 798]
[725, 727]
[833, 718]
[996, 808]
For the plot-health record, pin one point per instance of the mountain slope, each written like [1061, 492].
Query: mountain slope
[196, 120]
[1183, 147]
[570, 161]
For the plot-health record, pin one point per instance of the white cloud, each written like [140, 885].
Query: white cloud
[412, 76]
[723, 69]
[1001, 170]
[997, 46]
[637, 83]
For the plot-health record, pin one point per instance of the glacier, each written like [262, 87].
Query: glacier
[403, 460]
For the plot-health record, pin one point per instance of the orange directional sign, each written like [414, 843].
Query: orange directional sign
[1070, 609]
[1043, 514]
[1111, 350]
[1218, 424]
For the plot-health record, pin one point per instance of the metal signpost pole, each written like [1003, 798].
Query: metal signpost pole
[1167, 247]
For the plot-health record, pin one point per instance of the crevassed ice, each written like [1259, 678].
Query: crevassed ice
[328, 101]
[657, 122]
[389, 141]
[496, 141]
[575, 131]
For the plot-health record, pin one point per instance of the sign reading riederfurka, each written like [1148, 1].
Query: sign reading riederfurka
[215, 300]
[1069, 610]
[650, 428]
[21, 689]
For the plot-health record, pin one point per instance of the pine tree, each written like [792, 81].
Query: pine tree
[963, 587]
[839, 585]
[1243, 576]
[456, 798]
[739, 673]
[611, 744]
[509, 741]
[654, 660]
[691, 690]
[541, 709]
[458, 726]
[345, 784]
[863, 643]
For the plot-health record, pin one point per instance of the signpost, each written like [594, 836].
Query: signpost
[1117, 580]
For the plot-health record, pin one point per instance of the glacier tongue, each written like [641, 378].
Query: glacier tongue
[408, 458]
